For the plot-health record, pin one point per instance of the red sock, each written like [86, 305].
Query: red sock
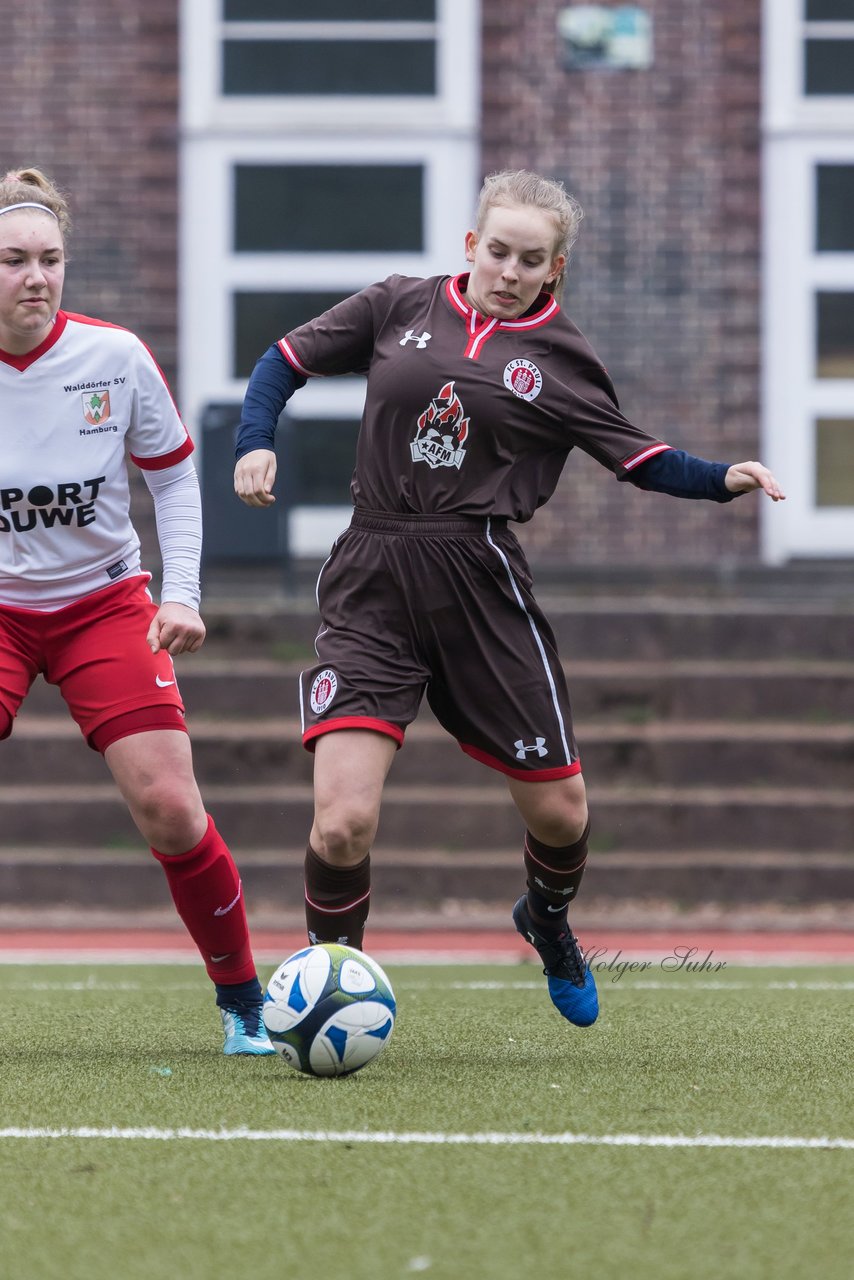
[206, 890]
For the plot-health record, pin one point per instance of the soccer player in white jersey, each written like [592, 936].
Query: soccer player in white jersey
[76, 396]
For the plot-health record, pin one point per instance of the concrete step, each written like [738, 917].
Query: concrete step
[433, 880]
[656, 754]
[810, 690]
[661, 819]
[658, 628]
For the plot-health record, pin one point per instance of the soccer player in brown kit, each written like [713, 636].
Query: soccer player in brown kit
[478, 387]
[74, 604]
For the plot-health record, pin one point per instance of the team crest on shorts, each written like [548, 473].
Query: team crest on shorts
[96, 406]
[442, 429]
[523, 379]
[323, 690]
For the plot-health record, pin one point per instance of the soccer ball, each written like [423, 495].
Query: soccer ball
[329, 1010]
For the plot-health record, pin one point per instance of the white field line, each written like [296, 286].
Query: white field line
[388, 1138]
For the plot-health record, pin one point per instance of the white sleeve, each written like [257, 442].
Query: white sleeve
[178, 513]
[155, 429]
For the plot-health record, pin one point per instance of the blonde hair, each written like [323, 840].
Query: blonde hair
[521, 187]
[31, 186]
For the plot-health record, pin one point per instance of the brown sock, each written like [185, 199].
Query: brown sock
[553, 878]
[337, 900]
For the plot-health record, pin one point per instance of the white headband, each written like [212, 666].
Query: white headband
[28, 204]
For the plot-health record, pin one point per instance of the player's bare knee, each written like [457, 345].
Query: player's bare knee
[560, 825]
[169, 817]
[344, 839]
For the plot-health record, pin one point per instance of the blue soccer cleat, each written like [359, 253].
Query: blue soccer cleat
[571, 985]
[245, 1034]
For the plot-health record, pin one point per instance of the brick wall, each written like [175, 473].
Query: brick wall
[665, 276]
[89, 94]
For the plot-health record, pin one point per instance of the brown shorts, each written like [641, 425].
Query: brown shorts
[442, 605]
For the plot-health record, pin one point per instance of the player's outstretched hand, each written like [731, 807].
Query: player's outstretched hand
[742, 477]
[176, 628]
[254, 476]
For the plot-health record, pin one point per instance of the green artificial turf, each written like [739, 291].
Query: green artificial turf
[476, 1051]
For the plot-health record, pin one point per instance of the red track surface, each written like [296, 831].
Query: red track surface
[271, 946]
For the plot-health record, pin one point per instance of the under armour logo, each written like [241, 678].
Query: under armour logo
[420, 339]
[538, 745]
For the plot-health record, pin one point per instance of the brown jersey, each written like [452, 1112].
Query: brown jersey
[466, 414]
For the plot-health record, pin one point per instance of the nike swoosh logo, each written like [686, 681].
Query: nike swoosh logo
[216, 959]
[223, 911]
[162, 684]
[562, 907]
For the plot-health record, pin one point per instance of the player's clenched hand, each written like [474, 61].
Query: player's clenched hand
[254, 476]
[176, 628]
[742, 477]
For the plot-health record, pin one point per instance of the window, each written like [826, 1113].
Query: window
[829, 10]
[834, 208]
[322, 453]
[829, 47]
[336, 68]
[327, 10]
[808, 265]
[391, 64]
[331, 48]
[835, 462]
[259, 318]
[834, 334]
[329, 208]
[326, 144]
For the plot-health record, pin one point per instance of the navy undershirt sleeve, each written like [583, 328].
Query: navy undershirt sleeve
[271, 385]
[683, 476]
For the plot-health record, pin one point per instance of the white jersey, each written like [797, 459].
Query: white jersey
[70, 413]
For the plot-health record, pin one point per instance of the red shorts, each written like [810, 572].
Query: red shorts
[96, 652]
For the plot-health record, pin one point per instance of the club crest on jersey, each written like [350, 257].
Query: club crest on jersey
[323, 690]
[442, 429]
[96, 406]
[523, 379]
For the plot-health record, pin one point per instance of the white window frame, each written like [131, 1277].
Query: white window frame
[799, 133]
[787, 106]
[454, 108]
[208, 237]
[218, 132]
